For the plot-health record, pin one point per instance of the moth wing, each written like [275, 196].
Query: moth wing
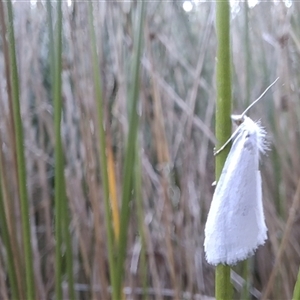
[235, 225]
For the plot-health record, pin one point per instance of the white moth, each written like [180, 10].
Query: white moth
[235, 225]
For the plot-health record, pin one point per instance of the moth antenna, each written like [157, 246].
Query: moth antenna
[243, 114]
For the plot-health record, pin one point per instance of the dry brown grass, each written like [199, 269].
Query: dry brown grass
[176, 137]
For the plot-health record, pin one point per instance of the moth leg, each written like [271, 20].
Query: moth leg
[216, 152]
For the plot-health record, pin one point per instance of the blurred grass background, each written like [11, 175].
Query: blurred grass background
[136, 161]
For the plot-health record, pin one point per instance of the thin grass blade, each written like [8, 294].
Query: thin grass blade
[59, 168]
[128, 174]
[102, 148]
[21, 164]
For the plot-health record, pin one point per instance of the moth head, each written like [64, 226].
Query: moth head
[263, 144]
[238, 119]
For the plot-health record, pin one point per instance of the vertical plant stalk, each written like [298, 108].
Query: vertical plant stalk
[128, 174]
[223, 122]
[6, 238]
[68, 241]
[63, 221]
[113, 190]
[113, 193]
[59, 168]
[103, 157]
[140, 216]
[11, 128]
[21, 165]
[51, 41]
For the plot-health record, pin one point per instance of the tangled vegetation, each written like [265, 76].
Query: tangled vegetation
[107, 113]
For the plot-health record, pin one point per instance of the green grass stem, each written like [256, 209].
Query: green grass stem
[21, 165]
[51, 41]
[129, 170]
[102, 148]
[68, 241]
[59, 167]
[223, 122]
[7, 242]
[140, 215]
